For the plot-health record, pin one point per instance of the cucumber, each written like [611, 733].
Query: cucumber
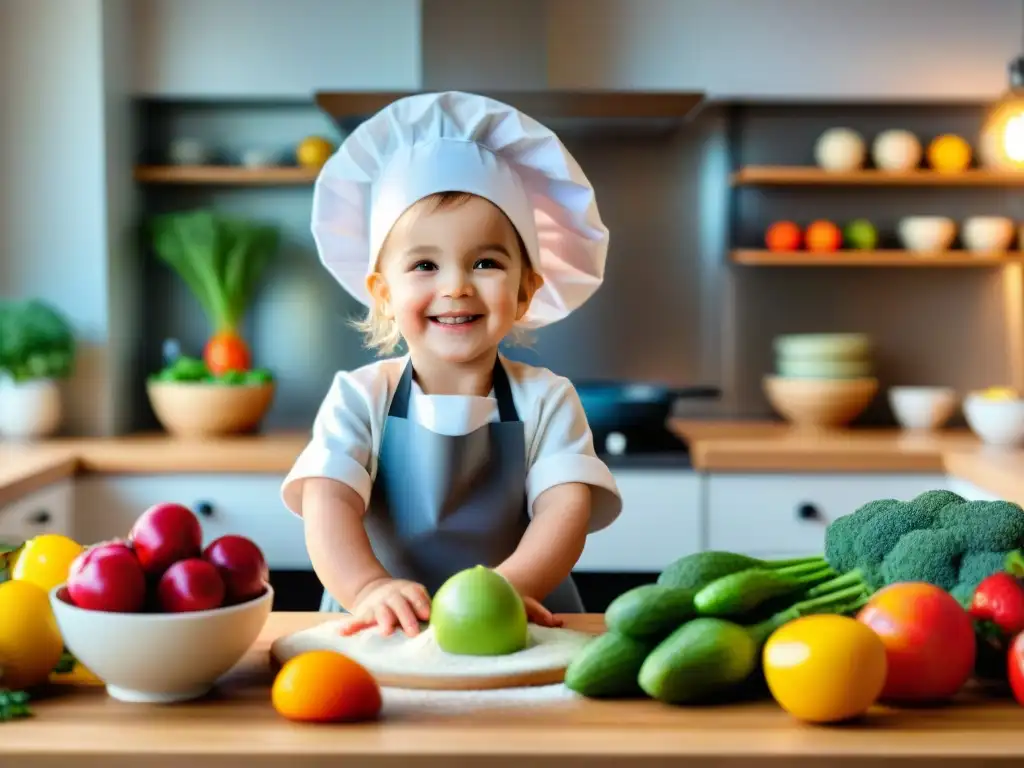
[703, 658]
[607, 667]
[701, 568]
[650, 611]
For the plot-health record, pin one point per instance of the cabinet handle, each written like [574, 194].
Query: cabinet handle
[808, 512]
[204, 509]
[40, 517]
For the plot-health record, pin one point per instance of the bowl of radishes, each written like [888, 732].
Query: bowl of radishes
[157, 616]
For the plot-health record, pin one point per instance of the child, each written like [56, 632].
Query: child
[458, 221]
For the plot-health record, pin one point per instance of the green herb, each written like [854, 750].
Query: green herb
[36, 341]
[220, 259]
[193, 370]
[13, 704]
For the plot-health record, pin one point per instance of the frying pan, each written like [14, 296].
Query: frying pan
[619, 406]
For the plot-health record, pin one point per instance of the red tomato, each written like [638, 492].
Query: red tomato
[226, 351]
[1015, 668]
[783, 236]
[929, 640]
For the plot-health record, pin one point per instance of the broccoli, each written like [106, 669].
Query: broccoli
[36, 341]
[937, 537]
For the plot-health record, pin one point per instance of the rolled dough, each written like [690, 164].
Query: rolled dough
[418, 662]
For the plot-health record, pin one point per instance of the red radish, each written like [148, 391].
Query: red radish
[164, 534]
[190, 585]
[107, 577]
[241, 564]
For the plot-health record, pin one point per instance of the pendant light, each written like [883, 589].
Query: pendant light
[1002, 138]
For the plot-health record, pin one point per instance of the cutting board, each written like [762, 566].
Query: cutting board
[400, 661]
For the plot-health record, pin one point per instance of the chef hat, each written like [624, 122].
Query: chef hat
[436, 142]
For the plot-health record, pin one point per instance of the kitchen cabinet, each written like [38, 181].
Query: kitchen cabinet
[660, 522]
[785, 515]
[48, 510]
[246, 504]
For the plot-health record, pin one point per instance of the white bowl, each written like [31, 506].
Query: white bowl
[996, 422]
[987, 234]
[922, 408]
[160, 658]
[896, 150]
[926, 234]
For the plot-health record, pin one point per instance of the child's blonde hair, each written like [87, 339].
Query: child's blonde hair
[381, 332]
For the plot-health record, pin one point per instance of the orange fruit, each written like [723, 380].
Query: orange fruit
[823, 236]
[949, 153]
[325, 687]
[783, 236]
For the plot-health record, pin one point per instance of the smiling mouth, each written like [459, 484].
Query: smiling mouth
[454, 320]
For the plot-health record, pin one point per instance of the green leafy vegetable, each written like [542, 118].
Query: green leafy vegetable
[36, 341]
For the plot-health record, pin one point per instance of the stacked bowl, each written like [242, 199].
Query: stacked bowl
[822, 381]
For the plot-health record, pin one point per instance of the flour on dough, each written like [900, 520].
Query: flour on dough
[397, 654]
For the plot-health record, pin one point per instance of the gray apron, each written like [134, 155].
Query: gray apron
[444, 503]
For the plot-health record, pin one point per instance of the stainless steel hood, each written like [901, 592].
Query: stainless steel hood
[577, 112]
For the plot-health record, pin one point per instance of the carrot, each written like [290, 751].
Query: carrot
[227, 351]
[221, 260]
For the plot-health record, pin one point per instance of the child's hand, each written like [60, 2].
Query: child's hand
[536, 613]
[389, 604]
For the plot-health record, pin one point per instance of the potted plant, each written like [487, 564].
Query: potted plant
[221, 260]
[37, 351]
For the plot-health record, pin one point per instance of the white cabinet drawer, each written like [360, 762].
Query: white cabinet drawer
[786, 515]
[48, 510]
[246, 504]
[660, 522]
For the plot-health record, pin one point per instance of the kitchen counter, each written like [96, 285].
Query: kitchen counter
[715, 446]
[237, 726]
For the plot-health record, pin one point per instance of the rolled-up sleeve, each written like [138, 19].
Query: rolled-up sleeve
[341, 445]
[562, 451]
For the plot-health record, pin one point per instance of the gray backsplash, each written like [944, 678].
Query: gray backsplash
[672, 308]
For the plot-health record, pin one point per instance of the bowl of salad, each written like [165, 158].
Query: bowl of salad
[191, 401]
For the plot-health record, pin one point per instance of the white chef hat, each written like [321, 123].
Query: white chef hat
[453, 141]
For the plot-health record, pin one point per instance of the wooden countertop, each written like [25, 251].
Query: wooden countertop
[237, 726]
[715, 446]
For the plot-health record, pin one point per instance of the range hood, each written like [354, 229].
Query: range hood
[576, 112]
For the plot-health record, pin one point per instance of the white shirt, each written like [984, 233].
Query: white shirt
[559, 444]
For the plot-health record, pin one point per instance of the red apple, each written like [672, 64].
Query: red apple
[107, 577]
[165, 534]
[190, 585]
[241, 565]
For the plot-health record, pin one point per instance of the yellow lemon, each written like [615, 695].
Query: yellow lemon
[949, 153]
[45, 560]
[313, 152]
[999, 393]
[825, 669]
[30, 641]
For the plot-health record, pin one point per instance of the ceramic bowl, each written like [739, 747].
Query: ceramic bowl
[190, 409]
[926, 234]
[160, 658]
[987, 234]
[819, 403]
[922, 408]
[823, 346]
[822, 369]
[995, 422]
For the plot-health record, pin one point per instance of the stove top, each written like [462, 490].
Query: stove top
[641, 446]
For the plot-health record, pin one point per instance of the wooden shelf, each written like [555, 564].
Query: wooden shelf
[782, 175]
[224, 174]
[893, 258]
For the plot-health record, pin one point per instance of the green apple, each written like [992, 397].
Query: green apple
[477, 612]
[861, 235]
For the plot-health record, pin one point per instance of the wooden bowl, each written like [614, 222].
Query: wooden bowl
[819, 403]
[189, 409]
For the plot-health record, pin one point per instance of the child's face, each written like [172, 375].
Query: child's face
[453, 279]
